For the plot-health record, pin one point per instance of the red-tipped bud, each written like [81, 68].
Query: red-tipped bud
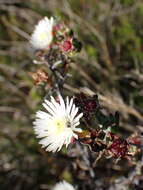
[67, 46]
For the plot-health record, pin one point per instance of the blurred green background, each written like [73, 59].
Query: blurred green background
[110, 64]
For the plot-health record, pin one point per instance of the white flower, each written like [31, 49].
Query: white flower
[63, 186]
[57, 126]
[42, 35]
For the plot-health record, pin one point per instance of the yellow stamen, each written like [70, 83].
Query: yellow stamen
[42, 36]
[60, 125]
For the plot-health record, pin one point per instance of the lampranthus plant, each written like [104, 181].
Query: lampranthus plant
[63, 186]
[57, 126]
[43, 33]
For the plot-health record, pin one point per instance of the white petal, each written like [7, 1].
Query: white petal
[77, 118]
[62, 102]
[70, 106]
[52, 112]
[74, 112]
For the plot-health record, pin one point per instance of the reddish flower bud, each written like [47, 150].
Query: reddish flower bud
[87, 105]
[40, 76]
[67, 46]
[57, 27]
[72, 140]
[119, 148]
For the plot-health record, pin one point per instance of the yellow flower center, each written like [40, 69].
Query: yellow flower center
[60, 125]
[42, 36]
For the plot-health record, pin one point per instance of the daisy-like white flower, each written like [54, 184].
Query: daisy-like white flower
[43, 33]
[63, 186]
[58, 125]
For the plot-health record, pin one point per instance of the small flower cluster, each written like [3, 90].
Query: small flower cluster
[50, 34]
[55, 45]
[110, 144]
[101, 138]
